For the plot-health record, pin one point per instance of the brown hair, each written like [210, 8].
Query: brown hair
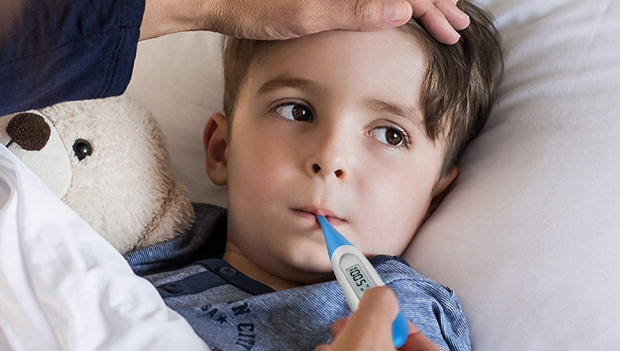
[457, 88]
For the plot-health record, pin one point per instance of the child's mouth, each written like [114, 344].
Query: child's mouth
[311, 213]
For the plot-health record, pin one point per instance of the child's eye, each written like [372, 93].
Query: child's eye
[294, 111]
[390, 136]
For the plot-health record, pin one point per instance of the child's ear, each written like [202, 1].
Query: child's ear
[439, 192]
[215, 141]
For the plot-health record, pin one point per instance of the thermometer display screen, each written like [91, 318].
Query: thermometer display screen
[358, 280]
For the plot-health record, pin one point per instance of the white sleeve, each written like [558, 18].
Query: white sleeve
[63, 287]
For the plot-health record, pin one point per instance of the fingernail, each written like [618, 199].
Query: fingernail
[395, 11]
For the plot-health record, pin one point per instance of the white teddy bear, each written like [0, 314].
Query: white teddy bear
[107, 160]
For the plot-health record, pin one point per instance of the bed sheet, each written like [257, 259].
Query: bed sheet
[64, 287]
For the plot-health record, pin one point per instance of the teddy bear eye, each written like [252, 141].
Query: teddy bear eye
[82, 149]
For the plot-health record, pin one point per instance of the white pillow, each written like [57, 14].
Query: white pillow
[528, 236]
[179, 77]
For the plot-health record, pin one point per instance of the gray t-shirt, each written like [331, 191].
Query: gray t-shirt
[231, 311]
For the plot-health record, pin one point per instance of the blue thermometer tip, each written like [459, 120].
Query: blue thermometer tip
[333, 239]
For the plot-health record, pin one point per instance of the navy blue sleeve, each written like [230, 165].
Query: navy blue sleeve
[66, 50]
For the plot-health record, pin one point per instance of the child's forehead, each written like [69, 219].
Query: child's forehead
[382, 63]
[352, 45]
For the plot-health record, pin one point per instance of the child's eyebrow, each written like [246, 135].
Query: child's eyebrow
[287, 81]
[409, 113]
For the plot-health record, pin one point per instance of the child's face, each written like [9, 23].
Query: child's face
[335, 143]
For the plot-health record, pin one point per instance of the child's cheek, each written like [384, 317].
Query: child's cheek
[393, 202]
[258, 170]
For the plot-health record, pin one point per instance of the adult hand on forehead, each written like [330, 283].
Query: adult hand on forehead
[370, 327]
[286, 19]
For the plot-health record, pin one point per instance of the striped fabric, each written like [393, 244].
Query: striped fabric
[230, 311]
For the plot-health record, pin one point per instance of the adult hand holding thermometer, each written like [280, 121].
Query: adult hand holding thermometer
[355, 275]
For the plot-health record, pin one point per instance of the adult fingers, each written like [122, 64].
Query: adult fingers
[338, 326]
[378, 306]
[440, 18]
[370, 327]
[365, 15]
[457, 18]
[287, 19]
[418, 341]
[438, 26]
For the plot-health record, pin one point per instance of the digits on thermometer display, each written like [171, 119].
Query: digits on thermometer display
[359, 280]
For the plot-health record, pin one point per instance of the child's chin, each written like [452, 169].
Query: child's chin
[312, 264]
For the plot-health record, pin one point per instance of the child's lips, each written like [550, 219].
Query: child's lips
[304, 213]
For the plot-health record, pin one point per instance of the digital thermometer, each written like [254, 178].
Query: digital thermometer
[355, 275]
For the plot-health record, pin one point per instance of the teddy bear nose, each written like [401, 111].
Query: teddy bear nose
[29, 131]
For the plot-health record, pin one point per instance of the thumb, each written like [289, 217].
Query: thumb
[369, 15]
[416, 341]
[370, 327]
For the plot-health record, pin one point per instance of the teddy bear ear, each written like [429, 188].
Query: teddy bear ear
[174, 218]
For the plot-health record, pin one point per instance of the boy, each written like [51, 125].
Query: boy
[363, 128]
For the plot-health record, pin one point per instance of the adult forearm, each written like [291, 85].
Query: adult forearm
[163, 17]
[64, 50]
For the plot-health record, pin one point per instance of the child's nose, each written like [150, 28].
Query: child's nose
[317, 169]
[328, 160]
